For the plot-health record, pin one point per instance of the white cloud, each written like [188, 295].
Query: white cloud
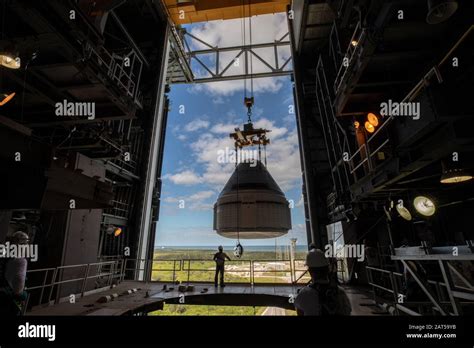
[198, 196]
[195, 202]
[283, 159]
[216, 33]
[218, 100]
[186, 177]
[276, 132]
[205, 150]
[300, 202]
[229, 88]
[201, 195]
[196, 125]
[221, 128]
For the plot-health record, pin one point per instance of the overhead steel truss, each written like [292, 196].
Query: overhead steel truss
[178, 70]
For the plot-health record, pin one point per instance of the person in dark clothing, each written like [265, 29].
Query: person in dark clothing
[220, 257]
[320, 297]
[12, 280]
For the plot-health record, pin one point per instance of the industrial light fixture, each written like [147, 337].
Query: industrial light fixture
[371, 123]
[113, 230]
[5, 98]
[424, 205]
[373, 119]
[403, 212]
[10, 60]
[369, 127]
[354, 43]
[356, 124]
[117, 232]
[454, 175]
[440, 10]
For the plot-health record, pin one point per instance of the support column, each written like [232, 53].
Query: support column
[308, 191]
[146, 238]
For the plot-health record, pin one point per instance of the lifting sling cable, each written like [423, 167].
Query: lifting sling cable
[251, 58]
[236, 147]
[238, 207]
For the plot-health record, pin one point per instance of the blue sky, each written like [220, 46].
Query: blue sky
[199, 123]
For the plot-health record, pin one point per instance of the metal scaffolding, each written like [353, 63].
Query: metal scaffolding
[178, 68]
[446, 297]
[336, 144]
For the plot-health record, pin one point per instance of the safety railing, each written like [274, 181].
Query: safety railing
[47, 288]
[352, 51]
[236, 271]
[334, 46]
[125, 71]
[78, 276]
[119, 209]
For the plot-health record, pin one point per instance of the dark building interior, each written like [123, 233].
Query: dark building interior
[383, 91]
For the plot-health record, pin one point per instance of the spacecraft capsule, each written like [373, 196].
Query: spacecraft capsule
[251, 205]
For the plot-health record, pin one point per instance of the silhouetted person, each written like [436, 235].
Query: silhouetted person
[12, 279]
[220, 257]
[321, 297]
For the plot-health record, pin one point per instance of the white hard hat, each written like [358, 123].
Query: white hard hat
[20, 237]
[316, 258]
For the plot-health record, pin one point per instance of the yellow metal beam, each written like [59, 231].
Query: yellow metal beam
[193, 11]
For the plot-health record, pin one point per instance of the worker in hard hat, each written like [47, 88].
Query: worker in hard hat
[12, 279]
[320, 296]
[219, 258]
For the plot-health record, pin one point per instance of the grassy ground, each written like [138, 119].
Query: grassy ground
[195, 310]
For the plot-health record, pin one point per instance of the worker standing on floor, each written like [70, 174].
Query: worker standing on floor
[12, 279]
[220, 257]
[320, 297]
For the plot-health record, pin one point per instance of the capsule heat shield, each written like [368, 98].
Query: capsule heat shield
[251, 204]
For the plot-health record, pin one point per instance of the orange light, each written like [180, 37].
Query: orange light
[356, 124]
[373, 119]
[369, 127]
[117, 232]
[6, 98]
[354, 43]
